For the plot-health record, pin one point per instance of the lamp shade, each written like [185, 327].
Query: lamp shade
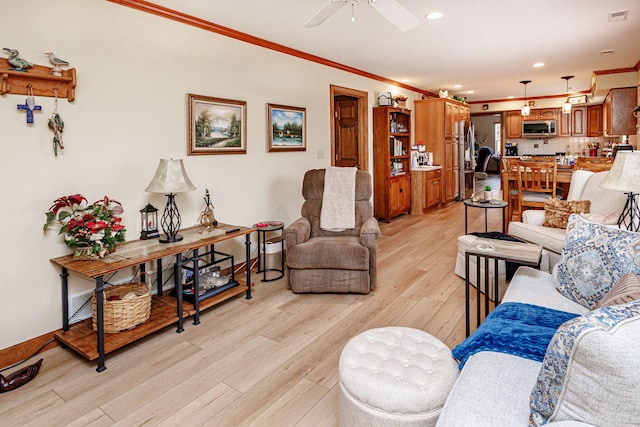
[170, 177]
[625, 173]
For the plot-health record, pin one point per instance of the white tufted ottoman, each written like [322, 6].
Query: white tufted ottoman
[394, 376]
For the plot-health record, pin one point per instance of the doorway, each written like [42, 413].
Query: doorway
[349, 129]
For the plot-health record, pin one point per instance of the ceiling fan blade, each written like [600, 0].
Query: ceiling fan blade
[396, 14]
[325, 13]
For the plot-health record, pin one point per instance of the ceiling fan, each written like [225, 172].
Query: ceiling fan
[393, 11]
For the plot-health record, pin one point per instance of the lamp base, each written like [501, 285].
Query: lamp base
[169, 239]
[630, 216]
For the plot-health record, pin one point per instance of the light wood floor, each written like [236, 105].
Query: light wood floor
[268, 361]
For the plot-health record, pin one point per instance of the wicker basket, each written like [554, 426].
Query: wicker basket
[123, 314]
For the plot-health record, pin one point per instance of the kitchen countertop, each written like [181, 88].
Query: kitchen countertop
[425, 168]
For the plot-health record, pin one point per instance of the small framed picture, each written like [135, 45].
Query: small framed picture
[286, 128]
[579, 99]
[216, 126]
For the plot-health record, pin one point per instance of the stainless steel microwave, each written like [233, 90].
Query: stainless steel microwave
[538, 128]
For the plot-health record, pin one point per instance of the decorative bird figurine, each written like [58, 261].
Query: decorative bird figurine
[57, 63]
[18, 63]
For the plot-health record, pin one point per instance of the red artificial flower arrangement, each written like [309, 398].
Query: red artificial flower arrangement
[93, 229]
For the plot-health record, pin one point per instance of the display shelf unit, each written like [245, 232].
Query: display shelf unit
[391, 167]
[165, 309]
[40, 80]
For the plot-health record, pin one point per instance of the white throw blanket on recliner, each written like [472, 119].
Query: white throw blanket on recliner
[338, 199]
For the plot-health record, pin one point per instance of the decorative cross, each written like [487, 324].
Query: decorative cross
[29, 107]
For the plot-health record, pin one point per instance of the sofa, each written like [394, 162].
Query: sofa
[589, 372]
[605, 207]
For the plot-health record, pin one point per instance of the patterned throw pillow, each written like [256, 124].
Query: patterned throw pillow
[625, 290]
[591, 370]
[593, 258]
[557, 211]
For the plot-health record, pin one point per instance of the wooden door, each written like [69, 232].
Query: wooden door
[346, 131]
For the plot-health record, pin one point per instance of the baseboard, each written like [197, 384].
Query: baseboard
[21, 351]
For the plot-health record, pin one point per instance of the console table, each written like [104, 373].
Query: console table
[165, 309]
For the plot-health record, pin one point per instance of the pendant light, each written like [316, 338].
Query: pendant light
[566, 107]
[526, 110]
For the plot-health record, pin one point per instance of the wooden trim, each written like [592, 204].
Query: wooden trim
[529, 98]
[21, 351]
[615, 71]
[363, 123]
[247, 38]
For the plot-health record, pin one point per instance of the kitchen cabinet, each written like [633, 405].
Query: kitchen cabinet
[594, 120]
[618, 112]
[391, 161]
[514, 124]
[578, 121]
[436, 124]
[426, 190]
[434, 189]
[548, 114]
[573, 123]
[563, 124]
[541, 114]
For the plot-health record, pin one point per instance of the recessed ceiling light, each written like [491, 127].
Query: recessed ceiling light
[607, 52]
[618, 16]
[510, 97]
[405, 80]
[457, 86]
[538, 64]
[469, 92]
[434, 15]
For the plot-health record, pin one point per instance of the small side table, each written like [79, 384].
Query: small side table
[263, 228]
[493, 204]
[518, 252]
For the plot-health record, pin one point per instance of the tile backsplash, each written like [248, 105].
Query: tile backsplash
[575, 145]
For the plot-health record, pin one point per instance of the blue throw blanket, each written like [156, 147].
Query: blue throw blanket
[520, 329]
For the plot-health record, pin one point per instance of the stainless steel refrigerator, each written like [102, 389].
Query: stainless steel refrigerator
[467, 159]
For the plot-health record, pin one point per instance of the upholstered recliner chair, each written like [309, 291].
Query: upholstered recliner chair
[332, 261]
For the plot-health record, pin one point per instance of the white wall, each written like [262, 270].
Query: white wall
[134, 71]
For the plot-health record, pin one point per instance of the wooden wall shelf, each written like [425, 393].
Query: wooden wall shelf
[41, 81]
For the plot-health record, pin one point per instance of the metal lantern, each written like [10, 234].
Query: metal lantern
[149, 222]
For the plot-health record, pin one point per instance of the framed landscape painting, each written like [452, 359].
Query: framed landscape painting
[216, 125]
[286, 128]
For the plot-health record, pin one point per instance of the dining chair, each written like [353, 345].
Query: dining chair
[510, 195]
[536, 183]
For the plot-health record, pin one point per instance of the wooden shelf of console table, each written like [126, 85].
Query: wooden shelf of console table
[82, 338]
[165, 310]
